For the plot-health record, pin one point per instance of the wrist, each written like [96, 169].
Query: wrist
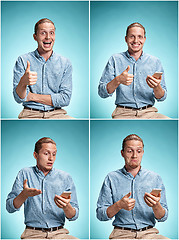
[22, 82]
[119, 205]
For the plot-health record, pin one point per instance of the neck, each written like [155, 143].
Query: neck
[135, 55]
[45, 172]
[133, 171]
[45, 55]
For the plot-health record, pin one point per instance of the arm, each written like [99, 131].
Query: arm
[154, 202]
[64, 203]
[44, 99]
[124, 78]
[26, 192]
[125, 203]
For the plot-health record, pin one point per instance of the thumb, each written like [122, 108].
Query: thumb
[25, 183]
[128, 68]
[28, 67]
[128, 195]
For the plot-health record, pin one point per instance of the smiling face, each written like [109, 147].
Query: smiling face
[46, 157]
[135, 40]
[45, 37]
[132, 154]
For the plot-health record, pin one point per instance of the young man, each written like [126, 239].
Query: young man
[127, 195]
[133, 75]
[40, 189]
[43, 79]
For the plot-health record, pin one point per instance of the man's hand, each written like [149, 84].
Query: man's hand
[29, 77]
[151, 200]
[125, 78]
[62, 202]
[30, 192]
[153, 82]
[126, 202]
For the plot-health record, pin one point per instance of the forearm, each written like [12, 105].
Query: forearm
[159, 211]
[111, 86]
[21, 90]
[19, 200]
[40, 98]
[69, 211]
[113, 209]
[159, 92]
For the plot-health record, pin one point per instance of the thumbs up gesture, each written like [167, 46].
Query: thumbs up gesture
[29, 77]
[125, 78]
[126, 202]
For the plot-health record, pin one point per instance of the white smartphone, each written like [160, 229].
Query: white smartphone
[66, 194]
[156, 192]
[157, 74]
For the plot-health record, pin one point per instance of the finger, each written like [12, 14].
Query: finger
[147, 202]
[128, 68]
[58, 204]
[155, 83]
[25, 184]
[131, 75]
[33, 73]
[128, 195]
[28, 67]
[131, 200]
[149, 83]
[61, 202]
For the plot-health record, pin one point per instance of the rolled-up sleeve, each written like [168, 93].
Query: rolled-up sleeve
[74, 201]
[16, 190]
[19, 70]
[62, 98]
[163, 85]
[104, 201]
[163, 200]
[107, 76]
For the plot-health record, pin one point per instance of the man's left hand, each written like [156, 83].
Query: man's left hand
[61, 202]
[151, 200]
[153, 82]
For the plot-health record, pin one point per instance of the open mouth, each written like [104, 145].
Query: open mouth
[47, 44]
[49, 164]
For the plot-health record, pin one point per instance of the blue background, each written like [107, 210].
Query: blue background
[18, 140]
[160, 155]
[109, 21]
[72, 41]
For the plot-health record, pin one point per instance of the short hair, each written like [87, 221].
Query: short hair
[136, 24]
[43, 20]
[131, 137]
[38, 144]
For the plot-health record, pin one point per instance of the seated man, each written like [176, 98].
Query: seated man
[137, 77]
[127, 196]
[41, 188]
[43, 79]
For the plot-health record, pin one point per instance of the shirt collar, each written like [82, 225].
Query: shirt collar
[127, 173]
[40, 57]
[41, 173]
[129, 56]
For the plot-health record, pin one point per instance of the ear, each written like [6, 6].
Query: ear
[35, 37]
[125, 38]
[35, 155]
[122, 153]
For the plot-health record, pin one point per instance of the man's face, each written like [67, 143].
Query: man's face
[135, 39]
[45, 37]
[132, 154]
[46, 157]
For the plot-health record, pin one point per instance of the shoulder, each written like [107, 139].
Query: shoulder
[150, 173]
[62, 59]
[61, 174]
[151, 58]
[114, 174]
[118, 55]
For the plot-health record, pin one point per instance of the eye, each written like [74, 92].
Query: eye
[54, 154]
[46, 153]
[51, 33]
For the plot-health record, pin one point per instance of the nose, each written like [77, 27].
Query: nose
[47, 35]
[50, 157]
[134, 154]
[135, 39]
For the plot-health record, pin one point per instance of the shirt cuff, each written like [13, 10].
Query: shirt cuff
[11, 207]
[164, 218]
[76, 215]
[18, 99]
[162, 98]
[103, 91]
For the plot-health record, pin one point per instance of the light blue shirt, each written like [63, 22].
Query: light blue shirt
[138, 94]
[54, 78]
[41, 210]
[119, 183]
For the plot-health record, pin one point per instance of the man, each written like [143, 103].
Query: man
[43, 79]
[40, 188]
[126, 195]
[132, 75]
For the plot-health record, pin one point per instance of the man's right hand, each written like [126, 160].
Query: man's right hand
[29, 77]
[30, 192]
[125, 78]
[126, 202]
